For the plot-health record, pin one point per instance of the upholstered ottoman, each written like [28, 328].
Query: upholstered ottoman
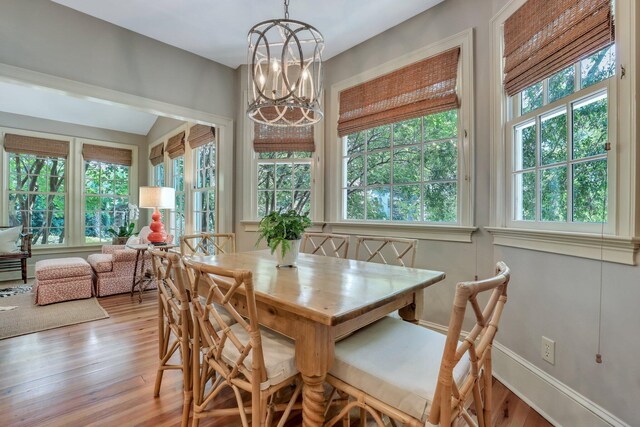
[62, 279]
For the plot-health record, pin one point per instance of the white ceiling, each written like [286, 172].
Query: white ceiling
[52, 105]
[217, 29]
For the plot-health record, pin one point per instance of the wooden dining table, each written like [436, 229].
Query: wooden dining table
[322, 300]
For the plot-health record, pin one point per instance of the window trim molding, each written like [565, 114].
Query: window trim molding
[466, 160]
[624, 155]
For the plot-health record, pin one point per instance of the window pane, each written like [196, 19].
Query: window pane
[525, 194]
[598, 67]
[561, 84]
[440, 202]
[406, 203]
[590, 191]
[302, 176]
[553, 138]
[283, 177]
[407, 132]
[525, 152]
[379, 168]
[302, 201]
[355, 171]
[379, 137]
[355, 142]
[590, 127]
[531, 98]
[553, 192]
[440, 160]
[283, 200]
[378, 204]
[441, 126]
[355, 204]
[265, 202]
[406, 165]
[266, 175]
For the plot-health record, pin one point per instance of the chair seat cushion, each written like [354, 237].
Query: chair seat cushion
[62, 268]
[395, 362]
[279, 354]
[101, 263]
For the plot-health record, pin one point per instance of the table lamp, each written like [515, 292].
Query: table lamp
[157, 198]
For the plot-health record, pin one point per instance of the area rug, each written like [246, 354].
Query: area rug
[27, 318]
[14, 290]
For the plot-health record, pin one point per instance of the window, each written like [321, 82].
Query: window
[205, 188]
[158, 175]
[405, 172]
[177, 219]
[284, 182]
[106, 196]
[38, 196]
[559, 133]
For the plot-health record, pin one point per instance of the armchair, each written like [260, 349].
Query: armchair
[114, 269]
[17, 261]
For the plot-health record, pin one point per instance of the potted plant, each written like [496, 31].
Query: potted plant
[282, 232]
[121, 234]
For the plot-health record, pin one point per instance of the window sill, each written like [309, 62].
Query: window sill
[252, 226]
[447, 233]
[621, 250]
[65, 249]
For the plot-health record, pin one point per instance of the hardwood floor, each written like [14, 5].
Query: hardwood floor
[102, 373]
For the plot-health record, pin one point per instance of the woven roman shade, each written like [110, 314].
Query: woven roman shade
[544, 37]
[156, 156]
[175, 146]
[268, 139]
[422, 88]
[99, 153]
[38, 146]
[200, 135]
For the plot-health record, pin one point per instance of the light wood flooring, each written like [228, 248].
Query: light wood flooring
[102, 373]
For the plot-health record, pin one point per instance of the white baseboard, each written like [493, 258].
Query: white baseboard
[555, 401]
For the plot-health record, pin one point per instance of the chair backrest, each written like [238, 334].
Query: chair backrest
[450, 396]
[398, 251]
[333, 245]
[208, 244]
[228, 289]
[172, 294]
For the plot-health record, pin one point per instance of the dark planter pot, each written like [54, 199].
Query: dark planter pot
[119, 240]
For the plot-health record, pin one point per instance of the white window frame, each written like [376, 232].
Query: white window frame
[616, 242]
[464, 228]
[250, 180]
[172, 223]
[203, 189]
[79, 164]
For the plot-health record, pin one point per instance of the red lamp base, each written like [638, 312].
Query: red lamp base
[157, 235]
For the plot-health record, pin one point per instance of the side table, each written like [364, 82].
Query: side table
[141, 280]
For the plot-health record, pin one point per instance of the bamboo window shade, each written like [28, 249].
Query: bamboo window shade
[269, 139]
[156, 156]
[175, 146]
[45, 147]
[99, 153]
[425, 87]
[543, 37]
[200, 135]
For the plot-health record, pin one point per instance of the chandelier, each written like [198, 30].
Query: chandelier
[285, 72]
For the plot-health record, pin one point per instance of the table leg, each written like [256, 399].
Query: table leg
[314, 356]
[135, 275]
[413, 313]
[141, 283]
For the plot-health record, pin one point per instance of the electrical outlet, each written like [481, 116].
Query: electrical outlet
[548, 350]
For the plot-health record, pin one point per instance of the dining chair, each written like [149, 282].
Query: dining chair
[334, 245]
[208, 244]
[398, 251]
[175, 325]
[406, 381]
[242, 356]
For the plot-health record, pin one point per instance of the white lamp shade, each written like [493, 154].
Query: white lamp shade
[157, 197]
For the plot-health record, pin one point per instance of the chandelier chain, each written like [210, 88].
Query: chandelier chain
[286, 9]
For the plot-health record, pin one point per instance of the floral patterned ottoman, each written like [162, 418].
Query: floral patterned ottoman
[62, 279]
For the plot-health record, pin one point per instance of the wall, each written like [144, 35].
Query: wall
[161, 127]
[43, 36]
[551, 295]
